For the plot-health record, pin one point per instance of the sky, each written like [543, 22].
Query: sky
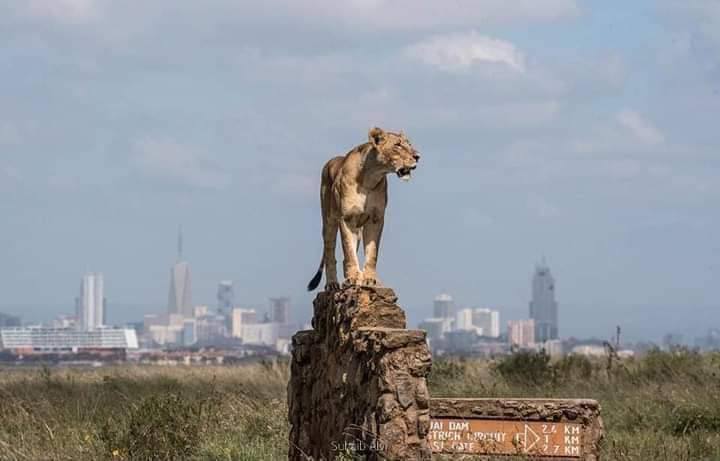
[582, 131]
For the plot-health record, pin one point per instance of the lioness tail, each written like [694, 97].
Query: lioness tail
[318, 276]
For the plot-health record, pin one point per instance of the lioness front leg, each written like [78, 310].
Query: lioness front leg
[372, 232]
[351, 267]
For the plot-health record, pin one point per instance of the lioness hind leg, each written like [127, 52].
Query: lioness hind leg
[330, 230]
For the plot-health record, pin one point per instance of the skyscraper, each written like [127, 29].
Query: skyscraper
[180, 298]
[443, 307]
[521, 333]
[488, 320]
[543, 307]
[280, 310]
[225, 297]
[90, 305]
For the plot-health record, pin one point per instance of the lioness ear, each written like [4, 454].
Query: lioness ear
[376, 135]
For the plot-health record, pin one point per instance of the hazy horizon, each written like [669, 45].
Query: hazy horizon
[576, 130]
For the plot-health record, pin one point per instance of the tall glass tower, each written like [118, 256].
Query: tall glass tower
[543, 307]
[90, 305]
[180, 298]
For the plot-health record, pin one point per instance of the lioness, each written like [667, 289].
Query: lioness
[353, 196]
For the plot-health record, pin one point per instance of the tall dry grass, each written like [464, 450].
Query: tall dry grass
[137, 412]
[665, 406]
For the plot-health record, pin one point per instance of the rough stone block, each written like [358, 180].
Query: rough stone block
[357, 383]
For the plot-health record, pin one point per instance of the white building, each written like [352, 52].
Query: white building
[90, 305]
[443, 307]
[66, 340]
[64, 321]
[241, 317]
[521, 333]
[592, 350]
[488, 321]
[484, 322]
[261, 334]
[166, 334]
[464, 320]
[554, 347]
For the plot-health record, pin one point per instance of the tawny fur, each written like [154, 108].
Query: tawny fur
[353, 196]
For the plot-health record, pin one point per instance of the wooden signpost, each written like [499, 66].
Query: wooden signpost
[541, 429]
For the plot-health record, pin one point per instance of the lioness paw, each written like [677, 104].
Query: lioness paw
[351, 281]
[371, 281]
[332, 286]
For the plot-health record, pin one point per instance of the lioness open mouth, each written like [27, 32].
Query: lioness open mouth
[404, 173]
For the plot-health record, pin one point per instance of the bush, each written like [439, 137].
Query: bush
[526, 368]
[160, 427]
[687, 419]
[660, 365]
[573, 367]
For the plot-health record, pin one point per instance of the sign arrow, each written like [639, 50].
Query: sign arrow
[528, 431]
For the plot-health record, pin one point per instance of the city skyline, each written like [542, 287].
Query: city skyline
[444, 301]
[541, 133]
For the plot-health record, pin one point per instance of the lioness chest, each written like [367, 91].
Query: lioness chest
[358, 207]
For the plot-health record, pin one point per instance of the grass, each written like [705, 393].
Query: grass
[137, 412]
[665, 406]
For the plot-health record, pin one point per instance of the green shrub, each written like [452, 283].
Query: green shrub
[526, 368]
[160, 427]
[687, 419]
[573, 367]
[661, 366]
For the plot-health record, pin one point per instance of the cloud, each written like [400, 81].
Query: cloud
[64, 11]
[405, 14]
[640, 127]
[165, 158]
[369, 14]
[460, 51]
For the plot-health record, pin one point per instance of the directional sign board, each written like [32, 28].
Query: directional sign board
[498, 437]
[541, 429]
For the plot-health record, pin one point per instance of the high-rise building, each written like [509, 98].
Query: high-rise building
[464, 320]
[443, 307]
[225, 297]
[241, 318]
[488, 320]
[436, 328]
[543, 307]
[90, 305]
[180, 298]
[280, 310]
[521, 333]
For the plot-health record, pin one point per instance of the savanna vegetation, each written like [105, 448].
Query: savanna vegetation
[664, 406]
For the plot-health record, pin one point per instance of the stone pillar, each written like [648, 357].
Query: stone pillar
[357, 383]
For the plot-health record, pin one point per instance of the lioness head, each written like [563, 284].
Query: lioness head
[394, 152]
